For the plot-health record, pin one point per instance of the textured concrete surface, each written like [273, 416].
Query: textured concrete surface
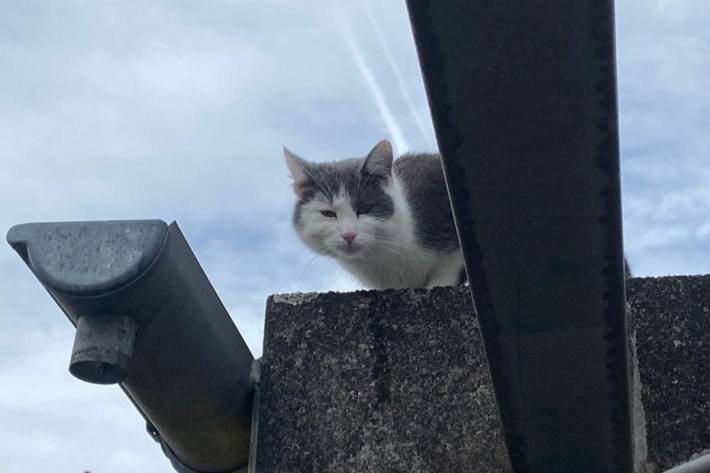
[672, 320]
[395, 382]
[375, 382]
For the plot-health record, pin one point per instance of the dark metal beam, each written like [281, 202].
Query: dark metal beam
[148, 317]
[523, 99]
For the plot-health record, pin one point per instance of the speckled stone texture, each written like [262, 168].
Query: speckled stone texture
[376, 382]
[395, 382]
[671, 316]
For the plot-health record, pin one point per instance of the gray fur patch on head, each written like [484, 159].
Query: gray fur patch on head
[348, 177]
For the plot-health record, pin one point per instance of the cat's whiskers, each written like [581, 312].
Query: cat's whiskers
[394, 250]
[393, 243]
[310, 262]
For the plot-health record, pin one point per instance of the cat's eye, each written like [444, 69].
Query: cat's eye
[329, 213]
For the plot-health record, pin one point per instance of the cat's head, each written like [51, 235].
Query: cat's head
[344, 208]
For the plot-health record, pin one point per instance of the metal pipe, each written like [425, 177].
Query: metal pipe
[148, 317]
[103, 347]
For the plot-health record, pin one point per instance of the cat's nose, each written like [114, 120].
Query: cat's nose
[349, 237]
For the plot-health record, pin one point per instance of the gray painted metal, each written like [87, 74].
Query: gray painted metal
[103, 347]
[699, 465]
[188, 373]
[523, 99]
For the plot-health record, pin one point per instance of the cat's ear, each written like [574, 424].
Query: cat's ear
[379, 160]
[297, 170]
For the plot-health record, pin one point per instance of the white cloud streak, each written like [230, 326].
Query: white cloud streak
[391, 123]
[403, 89]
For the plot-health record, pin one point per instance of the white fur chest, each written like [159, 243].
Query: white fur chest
[387, 269]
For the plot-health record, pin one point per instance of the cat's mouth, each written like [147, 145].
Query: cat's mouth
[350, 251]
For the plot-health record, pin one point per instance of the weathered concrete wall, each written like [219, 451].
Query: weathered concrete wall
[394, 381]
[375, 382]
[672, 320]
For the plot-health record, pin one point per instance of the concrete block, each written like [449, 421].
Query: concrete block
[671, 317]
[395, 381]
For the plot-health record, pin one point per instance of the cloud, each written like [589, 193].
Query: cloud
[396, 72]
[663, 50]
[400, 142]
[53, 422]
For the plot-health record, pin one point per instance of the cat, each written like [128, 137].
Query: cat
[388, 222]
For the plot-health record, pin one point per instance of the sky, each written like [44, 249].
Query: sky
[178, 110]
